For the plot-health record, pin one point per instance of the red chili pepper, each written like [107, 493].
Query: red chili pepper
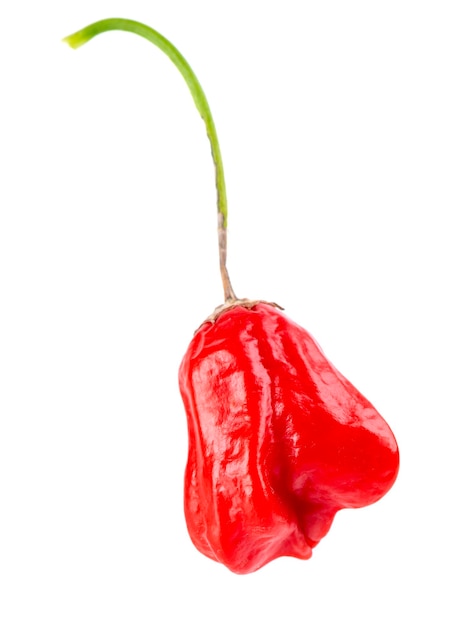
[279, 440]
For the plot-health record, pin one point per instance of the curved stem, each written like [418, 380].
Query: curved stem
[82, 36]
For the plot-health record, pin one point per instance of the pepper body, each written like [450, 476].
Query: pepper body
[279, 440]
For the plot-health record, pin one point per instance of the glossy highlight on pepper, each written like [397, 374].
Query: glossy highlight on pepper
[279, 440]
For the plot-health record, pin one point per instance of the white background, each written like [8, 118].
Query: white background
[341, 130]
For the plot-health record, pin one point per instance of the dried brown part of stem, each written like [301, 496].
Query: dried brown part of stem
[229, 294]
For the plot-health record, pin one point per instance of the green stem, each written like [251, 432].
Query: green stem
[82, 36]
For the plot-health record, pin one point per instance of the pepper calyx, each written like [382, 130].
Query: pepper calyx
[231, 304]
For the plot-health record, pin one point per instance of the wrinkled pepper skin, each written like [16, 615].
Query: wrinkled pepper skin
[279, 440]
